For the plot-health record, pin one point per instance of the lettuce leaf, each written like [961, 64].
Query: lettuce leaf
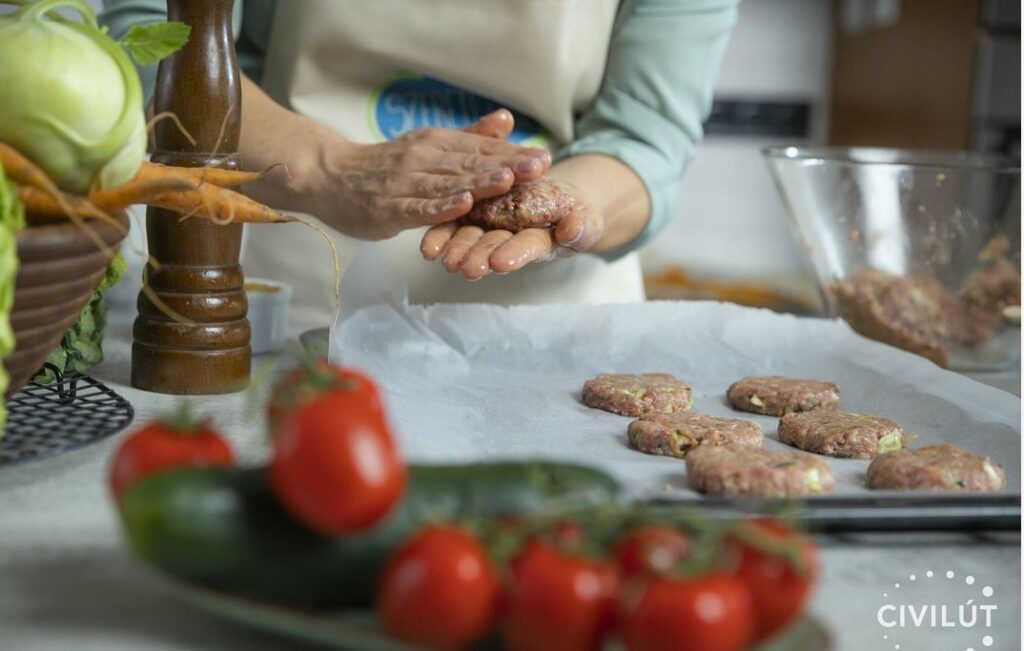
[12, 219]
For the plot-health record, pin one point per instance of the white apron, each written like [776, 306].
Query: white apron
[372, 69]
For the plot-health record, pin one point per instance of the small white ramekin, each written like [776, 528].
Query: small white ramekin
[268, 313]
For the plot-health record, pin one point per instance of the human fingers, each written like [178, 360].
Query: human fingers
[459, 245]
[473, 143]
[580, 230]
[434, 186]
[525, 168]
[435, 240]
[421, 212]
[476, 263]
[530, 245]
[427, 155]
[497, 124]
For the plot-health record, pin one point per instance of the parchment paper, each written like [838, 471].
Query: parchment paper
[476, 382]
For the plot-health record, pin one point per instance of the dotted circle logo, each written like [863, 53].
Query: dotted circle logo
[914, 603]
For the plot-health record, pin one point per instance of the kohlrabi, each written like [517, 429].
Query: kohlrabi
[70, 98]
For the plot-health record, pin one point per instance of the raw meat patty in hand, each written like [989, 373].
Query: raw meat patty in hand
[731, 470]
[636, 395]
[675, 435]
[539, 204]
[936, 467]
[840, 434]
[775, 395]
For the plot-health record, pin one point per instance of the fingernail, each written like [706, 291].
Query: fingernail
[526, 166]
[457, 200]
[501, 175]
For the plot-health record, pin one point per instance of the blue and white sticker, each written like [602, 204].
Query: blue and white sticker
[410, 102]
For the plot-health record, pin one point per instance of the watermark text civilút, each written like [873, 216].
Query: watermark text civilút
[938, 601]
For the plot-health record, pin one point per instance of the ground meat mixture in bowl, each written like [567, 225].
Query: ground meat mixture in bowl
[916, 313]
[919, 249]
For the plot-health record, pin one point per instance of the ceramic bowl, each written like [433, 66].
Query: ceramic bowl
[268, 314]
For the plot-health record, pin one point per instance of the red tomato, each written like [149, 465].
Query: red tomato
[713, 612]
[557, 602]
[159, 446]
[778, 588]
[438, 590]
[335, 466]
[651, 548]
[302, 385]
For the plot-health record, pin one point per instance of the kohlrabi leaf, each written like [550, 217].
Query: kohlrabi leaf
[149, 43]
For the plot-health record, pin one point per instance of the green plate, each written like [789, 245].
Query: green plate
[358, 631]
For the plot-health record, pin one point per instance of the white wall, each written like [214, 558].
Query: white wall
[732, 224]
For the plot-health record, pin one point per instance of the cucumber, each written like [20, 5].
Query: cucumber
[223, 528]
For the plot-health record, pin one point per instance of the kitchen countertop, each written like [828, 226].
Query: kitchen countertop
[68, 582]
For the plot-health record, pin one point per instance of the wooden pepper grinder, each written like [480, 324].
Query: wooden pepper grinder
[197, 274]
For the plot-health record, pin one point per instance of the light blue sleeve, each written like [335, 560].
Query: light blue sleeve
[662, 63]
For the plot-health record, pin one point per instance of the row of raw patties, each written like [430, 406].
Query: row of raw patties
[724, 456]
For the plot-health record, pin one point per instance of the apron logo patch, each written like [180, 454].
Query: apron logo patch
[410, 102]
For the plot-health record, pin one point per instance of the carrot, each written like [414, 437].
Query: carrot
[213, 175]
[207, 201]
[41, 207]
[47, 207]
[220, 205]
[27, 174]
[135, 191]
[22, 171]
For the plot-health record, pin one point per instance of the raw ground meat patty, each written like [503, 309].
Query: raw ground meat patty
[775, 395]
[674, 435]
[539, 204]
[736, 470]
[936, 467]
[636, 395]
[841, 434]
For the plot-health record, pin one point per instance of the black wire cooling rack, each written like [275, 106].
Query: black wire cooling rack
[47, 419]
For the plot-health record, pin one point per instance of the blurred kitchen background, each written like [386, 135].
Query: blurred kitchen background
[933, 74]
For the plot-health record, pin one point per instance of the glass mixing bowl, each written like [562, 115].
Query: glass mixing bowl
[918, 249]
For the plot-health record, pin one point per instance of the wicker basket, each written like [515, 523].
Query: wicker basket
[60, 266]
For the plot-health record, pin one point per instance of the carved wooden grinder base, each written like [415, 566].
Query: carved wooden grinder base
[198, 276]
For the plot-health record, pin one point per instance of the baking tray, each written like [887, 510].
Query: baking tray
[898, 512]
[469, 383]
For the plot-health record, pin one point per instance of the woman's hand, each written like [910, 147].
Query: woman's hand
[424, 177]
[474, 252]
